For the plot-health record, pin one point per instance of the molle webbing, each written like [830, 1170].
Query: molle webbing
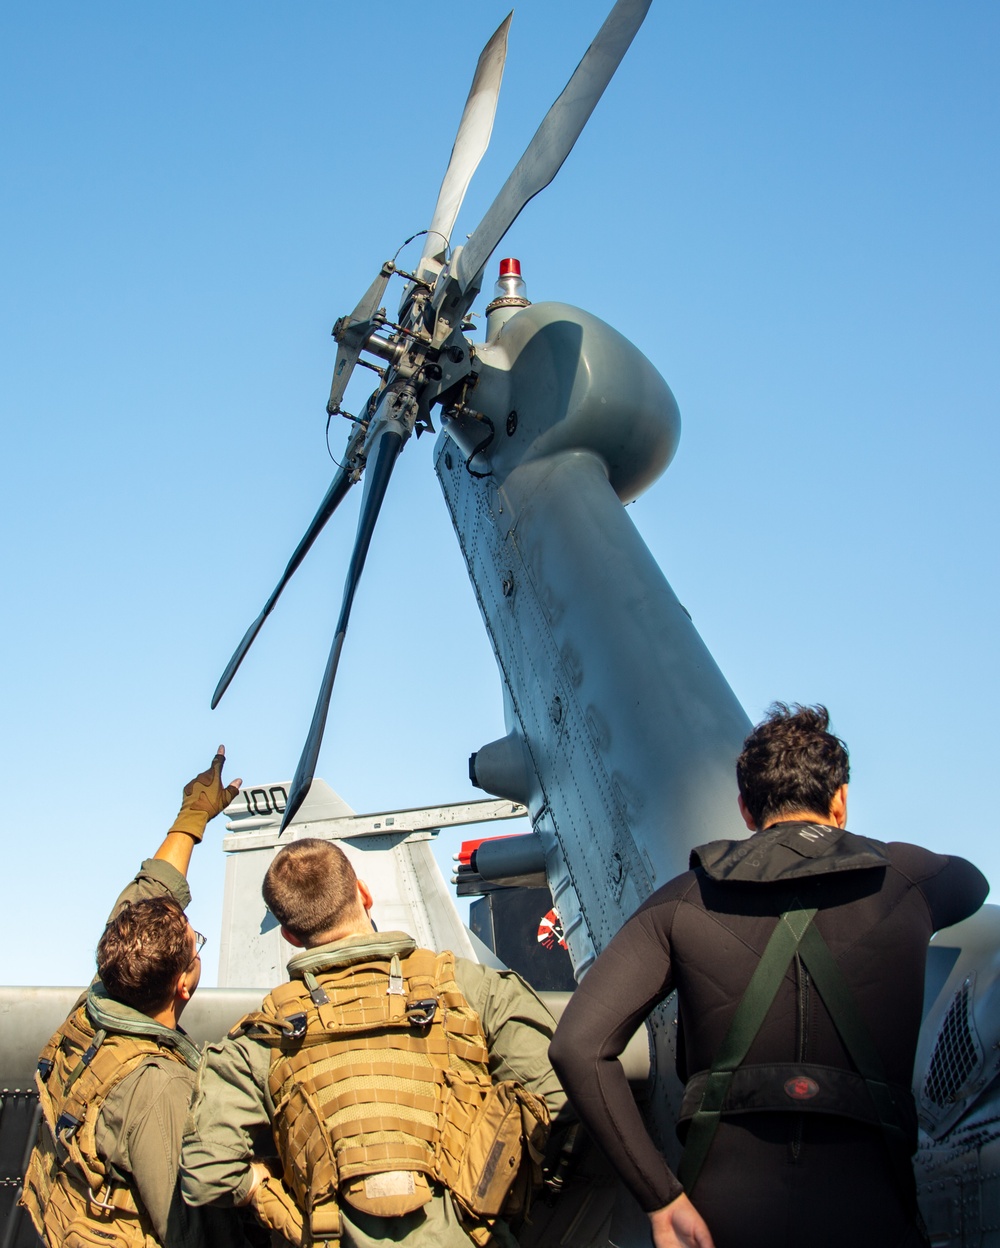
[378, 1075]
[67, 1179]
[376, 1080]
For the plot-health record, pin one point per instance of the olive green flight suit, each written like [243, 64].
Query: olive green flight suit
[232, 1110]
[140, 1126]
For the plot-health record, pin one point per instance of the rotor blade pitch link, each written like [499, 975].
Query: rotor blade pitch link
[471, 142]
[390, 441]
[543, 158]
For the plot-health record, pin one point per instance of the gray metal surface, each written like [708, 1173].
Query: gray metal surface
[514, 860]
[28, 1016]
[957, 1085]
[473, 138]
[542, 160]
[390, 850]
[631, 730]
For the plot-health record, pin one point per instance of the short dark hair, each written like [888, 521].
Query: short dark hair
[791, 763]
[311, 888]
[144, 949]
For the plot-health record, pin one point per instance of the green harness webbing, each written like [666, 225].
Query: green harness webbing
[794, 934]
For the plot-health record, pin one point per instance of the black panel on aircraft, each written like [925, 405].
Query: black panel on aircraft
[524, 931]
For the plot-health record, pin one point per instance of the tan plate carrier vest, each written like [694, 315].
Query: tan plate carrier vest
[68, 1193]
[381, 1087]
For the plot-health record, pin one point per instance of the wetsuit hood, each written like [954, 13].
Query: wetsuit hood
[788, 851]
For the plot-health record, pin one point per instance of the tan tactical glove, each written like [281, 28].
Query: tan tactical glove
[276, 1209]
[204, 798]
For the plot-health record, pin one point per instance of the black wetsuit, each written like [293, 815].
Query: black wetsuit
[773, 1179]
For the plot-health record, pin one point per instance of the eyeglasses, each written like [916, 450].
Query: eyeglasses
[199, 947]
[199, 944]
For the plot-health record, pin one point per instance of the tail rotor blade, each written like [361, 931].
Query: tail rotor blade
[542, 159]
[390, 443]
[341, 483]
[471, 142]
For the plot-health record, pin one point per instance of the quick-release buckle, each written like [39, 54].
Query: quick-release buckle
[421, 1013]
[104, 1204]
[294, 1026]
[68, 1125]
[45, 1068]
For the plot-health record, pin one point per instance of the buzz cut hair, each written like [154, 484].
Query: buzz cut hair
[791, 763]
[311, 888]
[144, 950]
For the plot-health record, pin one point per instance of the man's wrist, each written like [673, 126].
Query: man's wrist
[257, 1174]
[248, 1184]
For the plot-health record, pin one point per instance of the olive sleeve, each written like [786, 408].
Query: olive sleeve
[518, 1029]
[139, 1132]
[155, 878]
[228, 1124]
[627, 981]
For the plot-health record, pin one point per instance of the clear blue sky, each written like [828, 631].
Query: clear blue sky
[792, 208]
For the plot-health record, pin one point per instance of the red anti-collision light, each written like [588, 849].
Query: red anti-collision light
[470, 847]
[509, 267]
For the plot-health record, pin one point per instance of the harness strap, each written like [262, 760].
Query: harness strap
[746, 1023]
[798, 1087]
[887, 1105]
[857, 1038]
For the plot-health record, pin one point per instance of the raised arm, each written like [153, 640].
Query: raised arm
[165, 874]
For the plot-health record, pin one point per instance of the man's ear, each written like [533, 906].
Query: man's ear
[292, 940]
[364, 896]
[838, 807]
[748, 819]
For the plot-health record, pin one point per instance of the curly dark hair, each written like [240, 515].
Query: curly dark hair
[144, 949]
[791, 763]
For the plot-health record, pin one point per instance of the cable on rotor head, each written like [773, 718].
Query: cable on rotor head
[420, 234]
[329, 449]
[482, 446]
